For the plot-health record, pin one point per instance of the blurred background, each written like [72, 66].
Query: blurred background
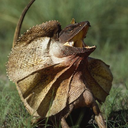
[108, 31]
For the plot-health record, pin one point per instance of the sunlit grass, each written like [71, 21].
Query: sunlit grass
[14, 114]
[12, 111]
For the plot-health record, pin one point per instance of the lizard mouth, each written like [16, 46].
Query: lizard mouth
[78, 39]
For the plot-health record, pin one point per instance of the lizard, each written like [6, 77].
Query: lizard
[74, 33]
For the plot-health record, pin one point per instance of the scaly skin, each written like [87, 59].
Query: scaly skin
[47, 29]
[75, 32]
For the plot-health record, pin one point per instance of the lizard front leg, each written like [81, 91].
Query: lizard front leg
[90, 102]
[64, 123]
[63, 119]
[98, 117]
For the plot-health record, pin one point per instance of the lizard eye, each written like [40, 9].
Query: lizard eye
[69, 30]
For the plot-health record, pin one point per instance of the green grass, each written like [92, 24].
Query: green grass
[109, 23]
[13, 113]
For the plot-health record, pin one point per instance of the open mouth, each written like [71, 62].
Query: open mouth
[77, 40]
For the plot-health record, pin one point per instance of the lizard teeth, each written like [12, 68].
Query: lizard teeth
[71, 44]
[88, 47]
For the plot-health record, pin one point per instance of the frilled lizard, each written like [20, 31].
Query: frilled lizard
[53, 73]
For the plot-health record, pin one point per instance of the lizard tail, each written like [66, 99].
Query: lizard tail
[19, 24]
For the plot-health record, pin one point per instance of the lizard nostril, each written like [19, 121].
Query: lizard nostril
[88, 23]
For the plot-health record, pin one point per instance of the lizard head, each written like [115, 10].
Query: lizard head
[74, 34]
